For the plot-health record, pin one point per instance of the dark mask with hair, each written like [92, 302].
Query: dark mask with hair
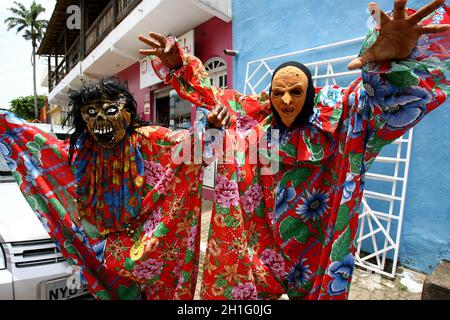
[106, 120]
[292, 94]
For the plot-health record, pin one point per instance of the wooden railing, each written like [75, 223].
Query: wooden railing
[124, 7]
[73, 55]
[101, 27]
[57, 74]
[97, 31]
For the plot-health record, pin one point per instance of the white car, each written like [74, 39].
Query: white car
[31, 265]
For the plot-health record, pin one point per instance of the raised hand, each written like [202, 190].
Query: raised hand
[162, 47]
[398, 35]
[218, 117]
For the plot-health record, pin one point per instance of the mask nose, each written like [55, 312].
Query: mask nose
[287, 99]
[101, 116]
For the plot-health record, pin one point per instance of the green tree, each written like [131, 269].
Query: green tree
[24, 106]
[27, 20]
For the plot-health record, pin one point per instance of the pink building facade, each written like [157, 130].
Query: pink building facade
[211, 38]
[159, 104]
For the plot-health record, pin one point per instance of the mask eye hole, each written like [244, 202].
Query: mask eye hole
[297, 92]
[92, 112]
[111, 110]
[277, 94]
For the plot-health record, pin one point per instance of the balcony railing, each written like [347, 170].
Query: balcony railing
[101, 27]
[94, 35]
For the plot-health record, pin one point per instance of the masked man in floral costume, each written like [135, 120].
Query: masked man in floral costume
[293, 231]
[123, 213]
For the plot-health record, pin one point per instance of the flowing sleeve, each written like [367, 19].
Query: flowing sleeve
[39, 164]
[192, 83]
[156, 252]
[392, 97]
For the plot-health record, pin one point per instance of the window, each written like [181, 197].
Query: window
[217, 69]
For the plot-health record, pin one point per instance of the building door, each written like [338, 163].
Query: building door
[162, 108]
[180, 112]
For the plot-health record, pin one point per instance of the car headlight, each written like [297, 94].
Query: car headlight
[2, 258]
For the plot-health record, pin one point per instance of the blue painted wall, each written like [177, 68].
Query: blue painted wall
[263, 28]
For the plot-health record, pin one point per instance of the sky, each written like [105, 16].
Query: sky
[16, 71]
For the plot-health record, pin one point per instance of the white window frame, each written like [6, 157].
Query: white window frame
[215, 72]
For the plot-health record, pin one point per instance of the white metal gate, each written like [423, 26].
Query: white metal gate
[382, 207]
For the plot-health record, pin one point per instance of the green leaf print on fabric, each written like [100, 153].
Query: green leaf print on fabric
[341, 246]
[189, 256]
[40, 140]
[402, 76]
[316, 150]
[355, 162]
[260, 210]
[37, 203]
[161, 230]
[155, 197]
[56, 151]
[70, 248]
[297, 176]
[129, 264]
[228, 293]
[58, 207]
[222, 210]
[375, 144]
[342, 218]
[90, 229]
[231, 222]
[236, 106]
[131, 293]
[17, 177]
[34, 148]
[289, 148]
[186, 276]
[294, 228]
[205, 82]
[103, 295]
[221, 282]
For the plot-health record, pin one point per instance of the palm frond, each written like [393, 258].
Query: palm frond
[36, 10]
[15, 23]
[27, 18]
[42, 23]
[19, 13]
[21, 27]
[21, 6]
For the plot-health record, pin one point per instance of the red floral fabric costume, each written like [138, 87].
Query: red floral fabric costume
[134, 231]
[293, 232]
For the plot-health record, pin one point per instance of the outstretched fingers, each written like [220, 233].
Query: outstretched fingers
[434, 28]
[425, 11]
[399, 9]
[158, 37]
[379, 15]
[148, 52]
[150, 42]
[227, 121]
[359, 62]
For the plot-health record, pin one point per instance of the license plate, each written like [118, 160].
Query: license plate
[58, 290]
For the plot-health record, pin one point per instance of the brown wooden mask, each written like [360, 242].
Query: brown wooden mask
[106, 120]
